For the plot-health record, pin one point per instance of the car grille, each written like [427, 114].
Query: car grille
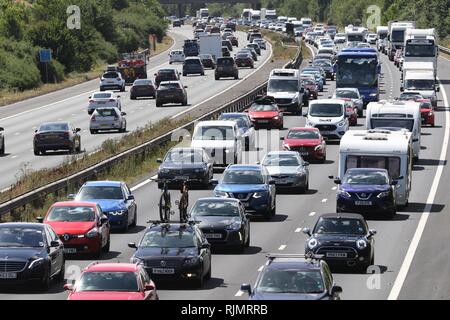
[283, 101]
[351, 253]
[326, 127]
[242, 196]
[168, 263]
[302, 149]
[12, 266]
[363, 195]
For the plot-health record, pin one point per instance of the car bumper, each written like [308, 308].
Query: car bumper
[355, 257]
[226, 74]
[377, 207]
[229, 238]
[290, 182]
[175, 99]
[288, 107]
[111, 86]
[105, 126]
[267, 123]
[180, 273]
[25, 276]
[117, 222]
[64, 145]
[81, 245]
[148, 93]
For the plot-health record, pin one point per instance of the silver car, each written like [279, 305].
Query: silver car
[352, 94]
[288, 170]
[108, 118]
[2, 142]
[103, 99]
[261, 43]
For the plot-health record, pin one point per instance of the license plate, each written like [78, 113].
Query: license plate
[304, 153]
[263, 121]
[213, 236]
[101, 102]
[8, 275]
[70, 250]
[163, 271]
[363, 203]
[104, 125]
[336, 254]
[181, 178]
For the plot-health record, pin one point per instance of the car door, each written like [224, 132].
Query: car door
[55, 253]
[128, 203]
[271, 186]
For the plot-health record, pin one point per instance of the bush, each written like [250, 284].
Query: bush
[18, 73]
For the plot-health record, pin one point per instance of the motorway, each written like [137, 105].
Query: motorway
[406, 268]
[21, 119]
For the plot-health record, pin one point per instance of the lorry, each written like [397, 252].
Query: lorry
[255, 16]
[355, 34]
[133, 66]
[211, 44]
[267, 14]
[191, 48]
[246, 13]
[420, 77]
[396, 36]
[204, 13]
[421, 46]
[382, 33]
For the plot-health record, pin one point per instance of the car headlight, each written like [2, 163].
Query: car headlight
[164, 171]
[319, 147]
[136, 260]
[234, 226]
[117, 212]
[191, 261]
[221, 194]
[341, 124]
[198, 170]
[92, 233]
[373, 95]
[276, 118]
[312, 243]
[258, 195]
[361, 244]
[344, 194]
[383, 194]
[430, 113]
[295, 98]
[36, 262]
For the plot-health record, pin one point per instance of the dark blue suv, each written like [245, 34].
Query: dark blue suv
[366, 191]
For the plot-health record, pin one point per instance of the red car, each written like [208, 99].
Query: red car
[426, 112]
[266, 114]
[81, 226]
[113, 281]
[351, 110]
[234, 40]
[307, 141]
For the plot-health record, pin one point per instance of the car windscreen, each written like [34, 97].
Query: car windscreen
[277, 280]
[214, 133]
[326, 110]
[283, 85]
[205, 56]
[104, 95]
[421, 84]
[104, 112]
[21, 237]
[302, 134]
[100, 192]
[322, 63]
[263, 107]
[54, 127]
[340, 225]
[281, 160]
[192, 61]
[71, 214]
[366, 178]
[242, 177]
[108, 281]
[184, 156]
[346, 94]
[167, 239]
[405, 123]
[215, 208]
[241, 122]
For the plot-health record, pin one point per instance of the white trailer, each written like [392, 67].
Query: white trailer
[423, 82]
[211, 44]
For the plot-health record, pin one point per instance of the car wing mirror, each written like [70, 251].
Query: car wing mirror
[336, 289]
[132, 245]
[372, 232]
[68, 287]
[337, 181]
[400, 178]
[307, 231]
[246, 288]
[394, 183]
[149, 287]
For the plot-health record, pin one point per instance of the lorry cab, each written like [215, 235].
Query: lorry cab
[422, 82]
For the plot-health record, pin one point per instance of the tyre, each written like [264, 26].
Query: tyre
[107, 247]
[78, 149]
[36, 152]
[273, 211]
[134, 223]
[185, 103]
[2, 149]
[236, 77]
[122, 89]
[202, 73]
[159, 104]
[184, 74]
[247, 243]
[208, 275]
[216, 77]
[125, 228]
[360, 113]
[268, 214]
[372, 260]
[164, 210]
[44, 285]
[132, 97]
[102, 89]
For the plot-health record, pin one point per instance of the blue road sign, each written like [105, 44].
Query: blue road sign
[45, 55]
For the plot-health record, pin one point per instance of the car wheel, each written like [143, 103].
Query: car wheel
[101, 89]
[2, 150]
[132, 97]
[372, 260]
[62, 273]
[247, 243]
[134, 223]
[268, 214]
[236, 77]
[159, 104]
[185, 103]
[78, 149]
[36, 152]
[184, 74]
[46, 280]
[122, 89]
[202, 73]
[217, 78]
[199, 282]
[208, 275]
[126, 227]
[107, 247]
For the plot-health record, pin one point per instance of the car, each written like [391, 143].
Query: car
[223, 222]
[186, 164]
[176, 23]
[251, 184]
[226, 34]
[311, 87]
[176, 56]
[344, 239]
[372, 38]
[261, 43]
[288, 91]
[288, 170]
[410, 96]
[340, 38]
[317, 78]
[113, 281]
[166, 74]
[56, 136]
[193, 65]
[350, 94]
[81, 226]
[226, 67]
[294, 277]
[142, 88]
[207, 61]
[265, 113]
[366, 191]
[234, 40]
[171, 92]
[397, 56]
[107, 118]
[115, 200]
[363, 45]
[245, 125]
[316, 71]
[352, 112]
[225, 52]
[251, 31]
[2, 142]
[308, 142]
[427, 112]
[255, 47]
[103, 99]
[174, 251]
[326, 65]
[112, 80]
[244, 60]
[255, 35]
[31, 252]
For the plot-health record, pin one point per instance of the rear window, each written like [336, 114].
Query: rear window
[192, 61]
[105, 95]
[225, 62]
[106, 112]
[54, 127]
[143, 83]
[169, 86]
[242, 56]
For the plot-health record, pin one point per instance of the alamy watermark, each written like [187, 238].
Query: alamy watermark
[74, 18]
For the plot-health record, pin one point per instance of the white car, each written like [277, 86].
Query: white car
[352, 94]
[112, 80]
[176, 56]
[261, 43]
[103, 99]
[272, 26]
[246, 127]
[108, 118]
[340, 38]
[372, 38]
[329, 116]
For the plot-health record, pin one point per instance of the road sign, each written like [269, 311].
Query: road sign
[45, 55]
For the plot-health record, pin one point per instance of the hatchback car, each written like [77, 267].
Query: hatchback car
[311, 87]
[261, 43]
[234, 40]
[56, 136]
[171, 92]
[81, 226]
[308, 142]
[113, 281]
[228, 44]
[255, 47]
[112, 80]
[244, 60]
[30, 252]
[226, 67]
[103, 99]
[294, 277]
[251, 51]
[2, 142]
[426, 112]
[143, 88]
[245, 125]
[225, 52]
[115, 200]
[223, 222]
[352, 94]
[176, 56]
[266, 114]
[193, 65]
[174, 252]
[107, 119]
[166, 74]
[207, 61]
[344, 239]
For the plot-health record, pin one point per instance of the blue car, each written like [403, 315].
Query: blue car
[115, 200]
[366, 190]
[251, 184]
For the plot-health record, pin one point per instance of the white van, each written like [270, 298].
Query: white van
[329, 116]
[394, 115]
[390, 150]
[286, 87]
[220, 139]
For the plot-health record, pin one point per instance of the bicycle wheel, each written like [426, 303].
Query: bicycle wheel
[164, 207]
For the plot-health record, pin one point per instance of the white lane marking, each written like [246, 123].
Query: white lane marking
[93, 152]
[140, 185]
[226, 90]
[298, 230]
[17, 133]
[13, 157]
[239, 293]
[399, 281]
[282, 247]
[312, 214]
[334, 188]
[260, 268]
[324, 200]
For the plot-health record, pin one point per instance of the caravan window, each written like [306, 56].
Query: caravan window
[391, 164]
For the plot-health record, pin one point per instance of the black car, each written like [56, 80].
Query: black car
[244, 60]
[294, 277]
[30, 252]
[174, 251]
[227, 43]
[171, 92]
[56, 136]
[326, 65]
[207, 61]
[255, 47]
[181, 164]
[344, 239]
[251, 51]
[166, 74]
[226, 52]
[193, 65]
[226, 67]
[223, 222]
[143, 88]
[176, 23]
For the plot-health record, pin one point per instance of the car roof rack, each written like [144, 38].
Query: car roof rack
[309, 256]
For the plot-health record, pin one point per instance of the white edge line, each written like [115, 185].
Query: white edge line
[312, 214]
[140, 185]
[298, 230]
[403, 272]
[282, 247]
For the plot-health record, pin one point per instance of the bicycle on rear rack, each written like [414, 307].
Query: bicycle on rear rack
[165, 204]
